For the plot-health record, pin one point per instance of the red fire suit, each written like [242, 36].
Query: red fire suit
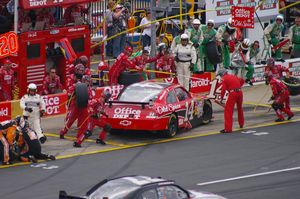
[281, 98]
[276, 71]
[121, 63]
[165, 64]
[6, 84]
[95, 110]
[81, 114]
[232, 84]
[51, 86]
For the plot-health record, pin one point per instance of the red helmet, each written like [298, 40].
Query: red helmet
[128, 49]
[6, 62]
[84, 60]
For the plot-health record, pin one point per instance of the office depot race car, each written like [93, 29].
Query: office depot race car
[158, 107]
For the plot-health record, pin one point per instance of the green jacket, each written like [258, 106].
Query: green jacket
[208, 34]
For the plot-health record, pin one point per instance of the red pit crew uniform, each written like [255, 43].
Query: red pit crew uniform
[51, 86]
[95, 109]
[166, 65]
[33, 107]
[81, 114]
[281, 99]
[142, 61]
[232, 84]
[276, 71]
[121, 63]
[6, 84]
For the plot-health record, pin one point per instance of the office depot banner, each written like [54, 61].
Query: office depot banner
[222, 9]
[56, 104]
[242, 17]
[5, 111]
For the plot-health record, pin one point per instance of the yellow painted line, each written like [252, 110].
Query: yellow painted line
[268, 105]
[149, 143]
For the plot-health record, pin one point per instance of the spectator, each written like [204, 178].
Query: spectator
[254, 52]
[51, 83]
[73, 12]
[147, 29]
[120, 17]
[6, 81]
[46, 16]
[109, 27]
[25, 20]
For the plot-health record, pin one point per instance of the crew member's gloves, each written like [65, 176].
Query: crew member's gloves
[270, 42]
[191, 67]
[176, 59]
[272, 98]
[28, 109]
[196, 45]
[42, 113]
[281, 39]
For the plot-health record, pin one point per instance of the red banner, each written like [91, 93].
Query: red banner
[5, 111]
[200, 83]
[55, 104]
[8, 44]
[30, 4]
[242, 17]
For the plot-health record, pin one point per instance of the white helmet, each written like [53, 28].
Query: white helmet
[32, 86]
[280, 17]
[229, 23]
[196, 22]
[211, 21]
[184, 36]
[246, 43]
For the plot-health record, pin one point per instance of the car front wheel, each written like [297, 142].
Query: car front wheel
[207, 112]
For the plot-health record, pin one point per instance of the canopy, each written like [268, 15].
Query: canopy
[35, 4]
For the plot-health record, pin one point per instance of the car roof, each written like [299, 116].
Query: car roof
[152, 83]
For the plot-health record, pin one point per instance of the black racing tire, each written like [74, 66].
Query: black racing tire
[81, 95]
[172, 127]
[126, 78]
[207, 112]
[213, 54]
[293, 85]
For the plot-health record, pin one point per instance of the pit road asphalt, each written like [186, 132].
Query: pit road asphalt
[198, 156]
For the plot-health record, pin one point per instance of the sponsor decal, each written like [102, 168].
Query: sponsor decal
[223, 7]
[242, 17]
[54, 32]
[5, 111]
[35, 3]
[268, 4]
[76, 29]
[167, 108]
[151, 115]
[125, 123]
[32, 34]
[54, 104]
[200, 82]
[215, 90]
[126, 112]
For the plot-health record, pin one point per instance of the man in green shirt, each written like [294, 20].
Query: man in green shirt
[196, 37]
[209, 34]
[294, 36]
[226, 32]
[272, 36]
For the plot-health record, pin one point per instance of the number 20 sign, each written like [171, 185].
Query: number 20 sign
[8, 44]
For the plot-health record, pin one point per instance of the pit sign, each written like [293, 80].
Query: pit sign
[242, 17]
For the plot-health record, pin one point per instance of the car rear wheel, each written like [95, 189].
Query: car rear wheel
[172, 127]
[207, 112]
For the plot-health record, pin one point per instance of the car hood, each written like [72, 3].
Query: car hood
[204, 195]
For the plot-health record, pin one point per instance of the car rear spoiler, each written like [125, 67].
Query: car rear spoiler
[64, 195]
[125, 102]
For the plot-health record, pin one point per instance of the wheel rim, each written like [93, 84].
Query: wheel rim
[172, 126]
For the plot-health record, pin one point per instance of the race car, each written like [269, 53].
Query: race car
[157, 106]
[140, 187]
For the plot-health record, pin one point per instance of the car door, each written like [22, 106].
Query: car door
[185, 113]
[148, 194]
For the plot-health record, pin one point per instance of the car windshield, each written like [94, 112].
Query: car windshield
[140, 93]
[114, 189]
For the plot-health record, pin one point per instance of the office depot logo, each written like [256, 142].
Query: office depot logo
[4, 111]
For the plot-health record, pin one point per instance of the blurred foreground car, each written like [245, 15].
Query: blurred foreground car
[158, 106]
[140, 187]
